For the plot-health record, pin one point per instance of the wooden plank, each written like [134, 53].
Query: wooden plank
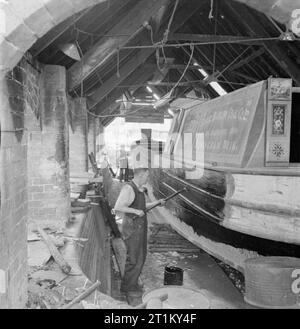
[65, 267]
[94, 255]
[106, 47]
[210, 38]
[82, 296]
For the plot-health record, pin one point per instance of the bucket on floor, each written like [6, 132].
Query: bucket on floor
[179, 298]
[173, 276]
[273, 282]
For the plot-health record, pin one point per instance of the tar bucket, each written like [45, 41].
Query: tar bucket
[173, 276]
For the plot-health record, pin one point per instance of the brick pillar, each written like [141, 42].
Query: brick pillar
[78, 135]
[13, 197]
[100, 141]
[92, 125]
[48, 152]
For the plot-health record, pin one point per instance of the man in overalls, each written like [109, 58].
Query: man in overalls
[132, 202]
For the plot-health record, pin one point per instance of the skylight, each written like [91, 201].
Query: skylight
[215, 85]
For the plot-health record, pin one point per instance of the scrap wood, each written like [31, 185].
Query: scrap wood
[82, 296]
[75, 239]
[65, 267]
[38, 254]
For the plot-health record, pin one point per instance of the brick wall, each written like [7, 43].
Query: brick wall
[14, 200]
[48, 148]
[92, 126]
[78, 135]
[100, 141]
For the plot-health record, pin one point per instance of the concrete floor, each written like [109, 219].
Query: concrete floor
[201, 272]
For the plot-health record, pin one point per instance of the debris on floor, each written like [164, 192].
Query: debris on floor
[163, 238]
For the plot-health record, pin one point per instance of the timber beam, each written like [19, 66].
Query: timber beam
[98, 55]
[212, 39]
[274, 48]
[139, 76]
[187, 10]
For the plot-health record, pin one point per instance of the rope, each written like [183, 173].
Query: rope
[215, 45]
[187, 44]
[211, 16]
[167, 32]
[183, 74]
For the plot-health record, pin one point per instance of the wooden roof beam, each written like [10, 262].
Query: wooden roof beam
[98, 55]
[56, 32]
[247, 59]
[188, 9]
[115, 80]
[140, 76]
[277, 51]
[210, 38]
[245, 76]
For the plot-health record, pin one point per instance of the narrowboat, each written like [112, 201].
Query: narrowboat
[239, 157]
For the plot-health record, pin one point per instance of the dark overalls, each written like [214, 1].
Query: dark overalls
[135, 237]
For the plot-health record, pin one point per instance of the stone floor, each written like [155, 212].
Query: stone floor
[201, 273]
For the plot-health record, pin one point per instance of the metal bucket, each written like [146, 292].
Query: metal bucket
[173, 276]
[273, 282]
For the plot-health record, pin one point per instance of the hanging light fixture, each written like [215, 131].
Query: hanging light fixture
[71, 50]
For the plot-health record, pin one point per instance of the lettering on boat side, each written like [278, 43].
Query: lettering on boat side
[2, 282]
[151, 318]
[184, 151]
[296, 283]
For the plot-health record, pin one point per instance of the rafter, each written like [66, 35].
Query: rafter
[130, 25]
[244, 76]
[139, 76]
[188, 9]
[56, 32]
[247, 60]
[210, 38]
[124, 72]
[276, 50]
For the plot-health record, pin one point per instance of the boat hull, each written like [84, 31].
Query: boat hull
[215, 215]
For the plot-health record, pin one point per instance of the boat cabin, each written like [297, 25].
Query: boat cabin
[251, 128]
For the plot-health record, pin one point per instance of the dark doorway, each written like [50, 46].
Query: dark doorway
[295, 129]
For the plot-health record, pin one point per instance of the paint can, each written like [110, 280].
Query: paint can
[173, 276]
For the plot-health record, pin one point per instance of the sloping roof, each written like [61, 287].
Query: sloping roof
[127, 45]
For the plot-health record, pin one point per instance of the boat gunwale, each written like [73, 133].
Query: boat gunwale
[265, 208]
